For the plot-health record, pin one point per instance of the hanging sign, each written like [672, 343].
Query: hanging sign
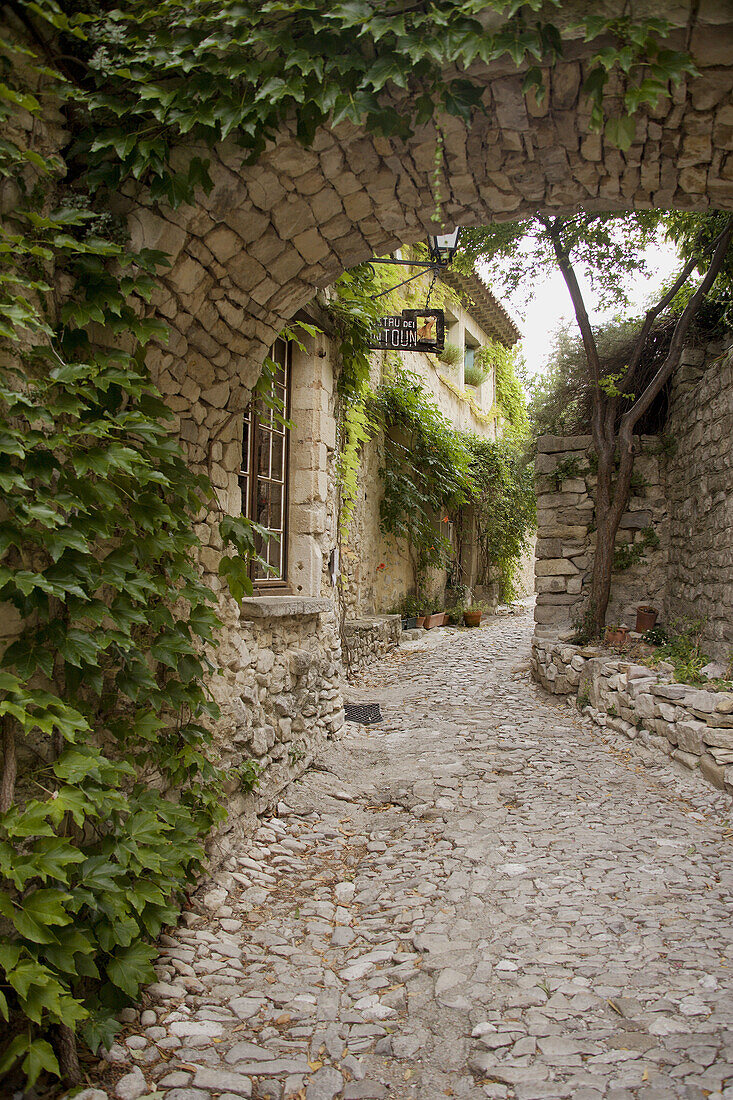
[411, 330]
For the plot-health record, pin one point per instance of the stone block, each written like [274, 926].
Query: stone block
[546, 614]
[701, 701]
[551, 584]
[573, 444]
[713, 772]
[722, 739]
[690, 735]
[554, 567]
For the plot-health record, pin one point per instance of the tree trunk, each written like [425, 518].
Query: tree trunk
[67, 1055]
[10, 765]
[612, 499]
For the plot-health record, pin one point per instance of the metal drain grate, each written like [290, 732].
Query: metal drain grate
[366, 714]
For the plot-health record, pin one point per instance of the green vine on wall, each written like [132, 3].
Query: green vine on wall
[109, 784]
[430, 471]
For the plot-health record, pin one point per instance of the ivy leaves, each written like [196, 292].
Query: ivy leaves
[647, 71]
[424, 470]
[241, 71]
[104, 712]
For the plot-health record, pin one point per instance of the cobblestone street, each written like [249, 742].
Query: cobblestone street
[479, 897]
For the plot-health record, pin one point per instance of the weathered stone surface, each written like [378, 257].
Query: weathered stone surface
[639, 712]
[478, 848]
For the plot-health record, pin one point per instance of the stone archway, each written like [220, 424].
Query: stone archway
[268, 236]
[248, 255]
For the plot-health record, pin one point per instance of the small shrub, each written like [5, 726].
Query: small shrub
[451, 355]
[248, 774]
[683, 651]
[626, 556]
[656, 636]
[474, 375]
[568, 467]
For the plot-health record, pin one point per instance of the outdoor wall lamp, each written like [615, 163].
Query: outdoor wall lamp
[442, 248]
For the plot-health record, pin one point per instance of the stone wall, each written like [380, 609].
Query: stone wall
[699, 478]
[693, 726]
[684, 495]
[566, 537]
[278, 655]
[369, 638]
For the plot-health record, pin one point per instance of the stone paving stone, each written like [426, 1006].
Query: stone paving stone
[509, 906]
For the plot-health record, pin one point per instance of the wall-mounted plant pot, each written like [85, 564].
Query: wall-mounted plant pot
[433, 620]
[646, 619]
[617, 636]
[472, 618]
[410, 623]
[420, 620]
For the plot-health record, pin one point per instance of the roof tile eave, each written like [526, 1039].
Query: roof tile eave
[487, 310]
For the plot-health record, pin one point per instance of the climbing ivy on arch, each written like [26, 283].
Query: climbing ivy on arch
[161, 74]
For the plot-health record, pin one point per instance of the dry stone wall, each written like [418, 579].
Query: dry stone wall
[693, 726]
[369, 638]
[680, 515]
[699, 481]
[565, 482]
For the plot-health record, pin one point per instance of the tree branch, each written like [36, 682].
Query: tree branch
[576, 295]
[637, 410]
[652, 314]
[562, 256]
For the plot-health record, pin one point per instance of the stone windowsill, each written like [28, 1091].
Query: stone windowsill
[283, 607]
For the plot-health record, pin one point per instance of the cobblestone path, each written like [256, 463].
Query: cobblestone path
[478, 898]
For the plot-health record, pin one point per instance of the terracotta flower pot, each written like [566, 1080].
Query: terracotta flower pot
[420, 621]
[436, 619]
[472, 618]
[646, 619]
[617, 636]
[446, 618]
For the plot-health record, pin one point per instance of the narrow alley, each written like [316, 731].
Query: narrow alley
[480, 897]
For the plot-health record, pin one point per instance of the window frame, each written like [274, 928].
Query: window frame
[268, 583]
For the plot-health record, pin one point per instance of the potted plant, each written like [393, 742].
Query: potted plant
[616, 635]
[451, 355]
[646, 618]
[433, 618]
[472, 614]
[455, 615]
[408, 611]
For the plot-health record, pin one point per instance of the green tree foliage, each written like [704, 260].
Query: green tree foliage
[623, 368]
[607, 248]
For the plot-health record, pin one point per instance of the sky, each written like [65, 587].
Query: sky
[549, 306]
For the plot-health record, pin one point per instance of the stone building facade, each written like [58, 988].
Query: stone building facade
[378, 570]
[679, 519]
